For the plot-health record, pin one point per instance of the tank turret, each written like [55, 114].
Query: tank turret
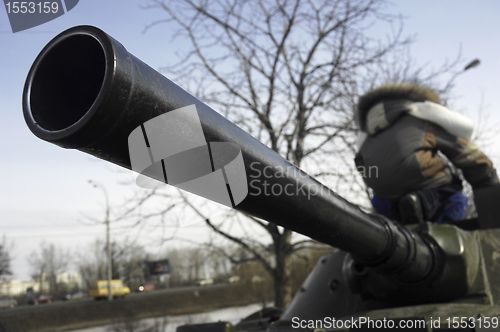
[85, 91]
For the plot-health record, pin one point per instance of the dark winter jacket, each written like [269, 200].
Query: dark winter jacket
[404, 137]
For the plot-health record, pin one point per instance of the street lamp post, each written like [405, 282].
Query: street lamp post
[108, 242]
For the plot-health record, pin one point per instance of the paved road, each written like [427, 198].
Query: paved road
[131, 296]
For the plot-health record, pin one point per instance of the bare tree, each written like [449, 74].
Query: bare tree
[188, 265]
[4, 258]
[48, 263]
[92, 261]
[132, 263]
[128, 261]
[289, 72]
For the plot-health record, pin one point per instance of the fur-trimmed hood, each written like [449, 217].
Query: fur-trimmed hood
[396, 91]
[379, 109]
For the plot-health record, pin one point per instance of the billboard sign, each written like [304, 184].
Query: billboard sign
[159, 267]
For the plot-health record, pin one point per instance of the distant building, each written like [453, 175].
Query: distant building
[15, 287]
[70, 278]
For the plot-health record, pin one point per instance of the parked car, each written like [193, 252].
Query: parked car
[75, 296]
[7, 302]
[42, 299]
[205, 282]
[145, 287]
[233, 279]
[257, 279]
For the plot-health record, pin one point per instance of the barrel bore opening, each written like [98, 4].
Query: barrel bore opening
[67, 81]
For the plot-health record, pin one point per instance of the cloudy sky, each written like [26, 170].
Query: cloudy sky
[44, 189]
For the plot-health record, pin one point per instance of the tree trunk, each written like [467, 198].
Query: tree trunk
[282, 271]
[282, 282]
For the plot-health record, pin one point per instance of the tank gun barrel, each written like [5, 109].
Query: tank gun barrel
[85, 91]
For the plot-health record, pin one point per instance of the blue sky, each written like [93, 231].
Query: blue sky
[44, 189]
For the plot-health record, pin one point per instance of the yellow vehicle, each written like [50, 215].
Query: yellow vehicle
[99, 289]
